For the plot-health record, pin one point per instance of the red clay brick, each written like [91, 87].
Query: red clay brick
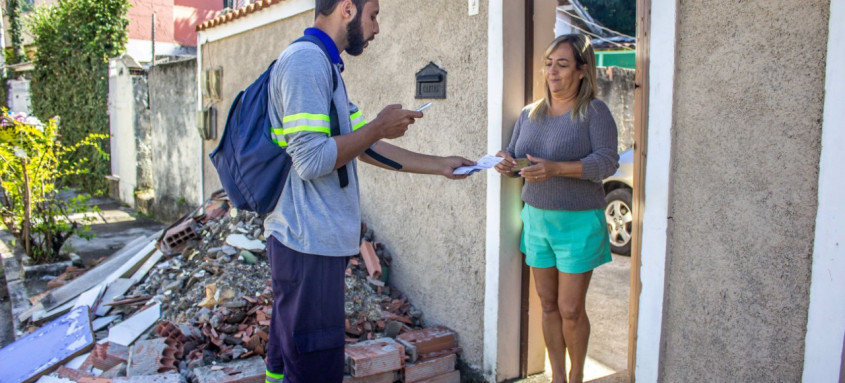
[374, 356]
[368, 252]
[449, 377]
[423, 370]
[432, 342]
[384, 377]
[107, 355]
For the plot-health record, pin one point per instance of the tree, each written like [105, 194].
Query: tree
[13, 10]
[31, 161]
[74, 40]
[619, 15]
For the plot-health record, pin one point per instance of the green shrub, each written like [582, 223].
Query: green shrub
[74, 40]
[32, 159]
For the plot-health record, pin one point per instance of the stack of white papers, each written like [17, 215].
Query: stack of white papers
[485, 162]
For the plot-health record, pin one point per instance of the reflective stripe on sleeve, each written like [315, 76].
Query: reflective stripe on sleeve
[304, 122]
[357, 120]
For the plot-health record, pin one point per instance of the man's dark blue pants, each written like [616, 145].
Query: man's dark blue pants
[307, 324]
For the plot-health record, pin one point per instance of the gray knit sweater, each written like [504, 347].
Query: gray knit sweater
[592, 141]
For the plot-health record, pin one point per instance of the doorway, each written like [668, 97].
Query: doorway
[613, 297]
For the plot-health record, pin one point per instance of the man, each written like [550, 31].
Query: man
[316, 224]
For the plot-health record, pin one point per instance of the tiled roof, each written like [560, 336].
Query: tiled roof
[237, 14]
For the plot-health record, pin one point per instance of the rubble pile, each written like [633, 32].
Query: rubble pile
[197, 302]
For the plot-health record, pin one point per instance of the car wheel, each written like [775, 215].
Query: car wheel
[619, 219]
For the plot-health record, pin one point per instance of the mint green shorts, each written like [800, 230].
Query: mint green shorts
[574, 241]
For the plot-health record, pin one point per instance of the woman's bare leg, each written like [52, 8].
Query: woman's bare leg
[572, 296]
[546, 282]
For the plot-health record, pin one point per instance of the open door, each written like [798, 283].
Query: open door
[540, 24]
[640, 156]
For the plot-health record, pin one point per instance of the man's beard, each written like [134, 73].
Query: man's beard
[355, 37]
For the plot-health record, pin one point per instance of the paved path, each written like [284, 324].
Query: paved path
[6, 333]
[113, 226]
[607, 307]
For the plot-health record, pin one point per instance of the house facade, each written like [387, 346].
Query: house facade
[738, 271]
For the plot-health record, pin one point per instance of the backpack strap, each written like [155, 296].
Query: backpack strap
[342, 172]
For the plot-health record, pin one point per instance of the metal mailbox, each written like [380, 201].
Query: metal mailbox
[431, 82]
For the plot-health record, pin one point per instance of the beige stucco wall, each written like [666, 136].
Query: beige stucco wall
[435, 227]
[243, 58]
[745, 154]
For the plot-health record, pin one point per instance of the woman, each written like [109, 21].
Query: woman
[569, 137]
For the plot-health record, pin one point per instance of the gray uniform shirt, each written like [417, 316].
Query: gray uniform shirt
[592, 141]
[314, 214]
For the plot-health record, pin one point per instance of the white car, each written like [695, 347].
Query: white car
[618, 190]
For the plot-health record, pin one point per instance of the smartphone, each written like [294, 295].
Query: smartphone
[424, 107]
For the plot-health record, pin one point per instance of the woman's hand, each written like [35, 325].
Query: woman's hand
[540, 171]
[505, 167]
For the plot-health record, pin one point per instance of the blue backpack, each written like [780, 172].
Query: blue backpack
[246, 158]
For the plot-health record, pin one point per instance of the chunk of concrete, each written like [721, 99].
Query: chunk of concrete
[47, 348]
[240, 241]
[241, 371]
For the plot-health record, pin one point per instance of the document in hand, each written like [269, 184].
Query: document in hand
[485, 162]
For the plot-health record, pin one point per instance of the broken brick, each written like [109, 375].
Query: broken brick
[72, 374]
[368, 253]
[416, 372]
[107, 355]
[177, 236]
[114, 372]
[153, 356]
[374, 357]
[168, 329]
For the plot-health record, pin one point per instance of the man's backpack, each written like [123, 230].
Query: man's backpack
[252, 168]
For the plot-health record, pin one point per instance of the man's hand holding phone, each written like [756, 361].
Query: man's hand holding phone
[424, 106]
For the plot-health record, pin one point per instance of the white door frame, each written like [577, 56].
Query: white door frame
[826, 316]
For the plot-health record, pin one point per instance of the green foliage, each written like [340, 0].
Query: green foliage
[13, 10]
[32, 159]
[74, 40]
[4, 90]
[619, 15]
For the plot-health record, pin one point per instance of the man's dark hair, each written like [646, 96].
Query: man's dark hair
[326, 7]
